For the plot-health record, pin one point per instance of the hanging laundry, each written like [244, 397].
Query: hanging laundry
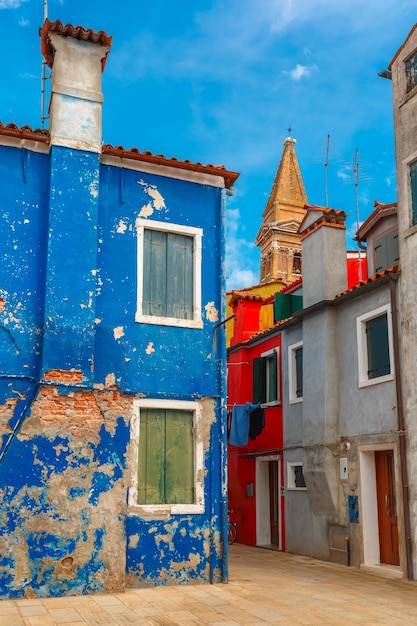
[256, 422]
[239, 431]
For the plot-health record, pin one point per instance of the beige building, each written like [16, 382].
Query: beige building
[278, 236]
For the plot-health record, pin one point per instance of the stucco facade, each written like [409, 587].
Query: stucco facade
[404, 91]
[83, 361]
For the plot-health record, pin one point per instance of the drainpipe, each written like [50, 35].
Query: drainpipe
[401, 429]
[222, 356]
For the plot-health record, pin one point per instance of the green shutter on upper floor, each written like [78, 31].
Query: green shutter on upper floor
[378, 346]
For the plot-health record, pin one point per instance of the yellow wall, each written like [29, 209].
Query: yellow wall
[264, 290]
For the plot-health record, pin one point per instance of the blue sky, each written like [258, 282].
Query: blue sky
[220, 81]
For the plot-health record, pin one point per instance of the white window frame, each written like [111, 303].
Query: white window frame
[191, 231]
[277, 401]
[292, 374]
[291, 486]
[364, 380]
[173, 509]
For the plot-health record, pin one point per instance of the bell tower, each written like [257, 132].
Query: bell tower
[278, 236]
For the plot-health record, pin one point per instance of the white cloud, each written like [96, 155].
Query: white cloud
[23, 22]
[301, 71]
[11, 4]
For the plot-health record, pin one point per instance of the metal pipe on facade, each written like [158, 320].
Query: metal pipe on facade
[401, 429]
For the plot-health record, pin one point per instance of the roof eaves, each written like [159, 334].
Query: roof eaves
[159, 159]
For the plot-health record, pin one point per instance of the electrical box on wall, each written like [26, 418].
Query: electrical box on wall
[343, 468]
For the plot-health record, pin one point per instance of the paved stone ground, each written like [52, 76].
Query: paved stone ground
[265, 587]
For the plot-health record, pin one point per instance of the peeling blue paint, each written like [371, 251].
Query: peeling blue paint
[68, 279]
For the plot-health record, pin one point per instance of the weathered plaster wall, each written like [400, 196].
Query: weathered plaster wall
[63, 494]
[405, 125]
[72, 361]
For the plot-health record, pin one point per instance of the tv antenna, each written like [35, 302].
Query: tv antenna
[356, 183]
[44, 77]
[326, 164]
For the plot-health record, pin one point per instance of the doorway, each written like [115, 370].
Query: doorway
[380, 512]
[387, 507]
[268, 510]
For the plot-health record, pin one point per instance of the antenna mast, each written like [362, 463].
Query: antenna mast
[43, 76]
[356, 183]
[326, 195]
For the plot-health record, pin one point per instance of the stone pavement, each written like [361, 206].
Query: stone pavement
[265, 587]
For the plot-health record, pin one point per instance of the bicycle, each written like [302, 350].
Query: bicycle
[231, 530]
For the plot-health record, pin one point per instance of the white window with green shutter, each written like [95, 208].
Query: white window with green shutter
[169, 274]
[166, 457]
[266, 378]
[375, 346]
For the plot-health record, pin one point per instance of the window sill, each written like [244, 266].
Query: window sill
[267, 405]
[152, 511]
[375, 381]
[295, 400]
[411, 231]
[296, 488]
[168, 321]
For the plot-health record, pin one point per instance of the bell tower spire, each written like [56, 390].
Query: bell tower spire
[278, 236]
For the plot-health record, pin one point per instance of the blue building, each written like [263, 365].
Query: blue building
[112, 360]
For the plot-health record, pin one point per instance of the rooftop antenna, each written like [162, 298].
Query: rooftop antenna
[356, 183]
[326, 164]
[44, 77]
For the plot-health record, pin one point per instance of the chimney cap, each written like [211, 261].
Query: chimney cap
[76, 32]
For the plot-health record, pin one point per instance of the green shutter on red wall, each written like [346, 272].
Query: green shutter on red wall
[272, 370]
[259, 380]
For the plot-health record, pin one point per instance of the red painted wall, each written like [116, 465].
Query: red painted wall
[242, 459]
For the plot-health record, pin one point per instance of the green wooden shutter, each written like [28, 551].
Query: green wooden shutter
[179, 479]
[166, 457]
[413, 180]
[282, 306]
[154, 273]
[151, 466]
[272, 377]
[378, 346]
[381, 254]
[296, 303]
[393, 253]
[259, 380]
[299, 372]
[180, 276]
